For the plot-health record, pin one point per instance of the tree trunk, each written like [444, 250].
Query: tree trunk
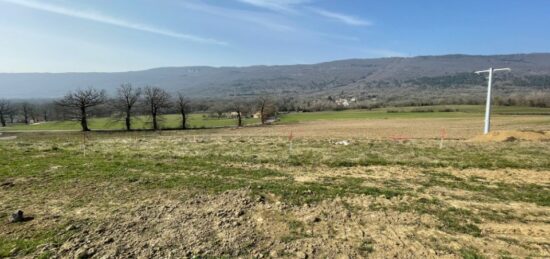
[183, 120]
[155, 124]
[84, 120]
[45, 116]
[2, 120]
[26, 118]
[12, 118]
[128, 121]
[240, 120]
[262, 115]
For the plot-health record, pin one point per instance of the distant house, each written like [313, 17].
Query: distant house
[234, 114]
[342, 102]
[257, 115]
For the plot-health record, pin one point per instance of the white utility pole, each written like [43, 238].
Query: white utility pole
[487, 127]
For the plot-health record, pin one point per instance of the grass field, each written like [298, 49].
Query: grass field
[449, 111]
[141, 122]
[249, 192]
[202, 121]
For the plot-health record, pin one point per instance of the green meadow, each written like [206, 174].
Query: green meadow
[448, 111]
[170, 121]
[201, 120]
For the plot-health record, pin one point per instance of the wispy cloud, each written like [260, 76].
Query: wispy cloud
[276, 5]
[344, 18]
[101, 18]
[257, 18]
[337, 36]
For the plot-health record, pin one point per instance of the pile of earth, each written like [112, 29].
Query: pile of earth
[513, 135]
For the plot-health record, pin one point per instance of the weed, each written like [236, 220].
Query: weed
[367, 246]
[470, 253]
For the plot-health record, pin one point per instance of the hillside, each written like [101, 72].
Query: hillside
[367, 77]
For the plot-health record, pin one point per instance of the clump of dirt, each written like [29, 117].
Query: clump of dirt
[513, 135]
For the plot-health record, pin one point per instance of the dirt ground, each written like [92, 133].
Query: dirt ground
[513, 135]
[412, 128]
[238, 223]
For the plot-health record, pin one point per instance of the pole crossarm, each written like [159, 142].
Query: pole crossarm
[494, 70]
[482, 71]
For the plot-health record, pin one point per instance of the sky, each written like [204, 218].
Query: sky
[127, 35]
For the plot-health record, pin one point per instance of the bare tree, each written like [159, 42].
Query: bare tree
[81, 101]
[266, 107]
[218, 109]
[47, 110]
[156, 100]
[183, 107]
[41, 111]
[127, 97]
[5, 109]
[240, 108]
[287, 103]
[61, 113]
[33, 114]
[11, 115]
[26, 109]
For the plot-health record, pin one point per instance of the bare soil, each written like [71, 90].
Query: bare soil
[513, 135]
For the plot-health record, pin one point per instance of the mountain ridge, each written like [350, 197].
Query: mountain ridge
[210, 81]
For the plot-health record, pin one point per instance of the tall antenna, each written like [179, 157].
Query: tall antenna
[487, 127]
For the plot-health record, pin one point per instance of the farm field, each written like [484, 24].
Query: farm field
[309, 187]
[201, 120]
[447, 111]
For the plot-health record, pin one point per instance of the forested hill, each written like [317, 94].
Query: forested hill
[355, 77]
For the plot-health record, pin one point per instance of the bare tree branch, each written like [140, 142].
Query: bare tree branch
[127, 97]
[81, 100]
[156, 100]
[240, 108]
[266, 107]
[183, 105]
[5, 109]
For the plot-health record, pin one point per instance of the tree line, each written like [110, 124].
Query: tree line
[128, 103]
[28, 112]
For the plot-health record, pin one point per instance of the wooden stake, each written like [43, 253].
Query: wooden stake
[84, 142]
[290, 137]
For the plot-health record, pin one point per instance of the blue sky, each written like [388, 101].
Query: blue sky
[123, 35]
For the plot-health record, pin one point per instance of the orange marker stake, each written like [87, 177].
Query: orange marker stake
[443, 136]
